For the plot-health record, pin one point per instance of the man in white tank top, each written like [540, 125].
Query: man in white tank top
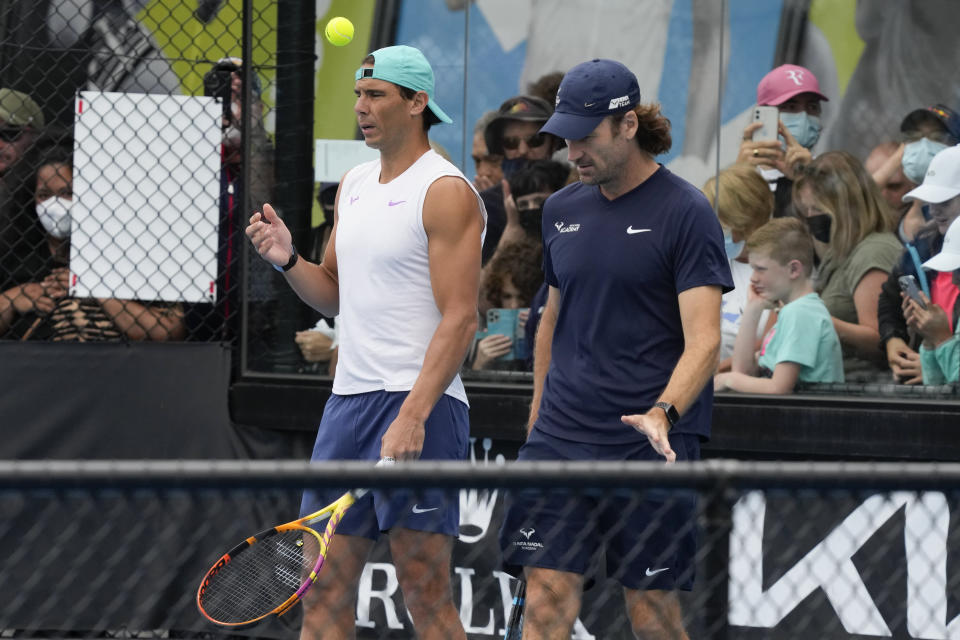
[402, 270]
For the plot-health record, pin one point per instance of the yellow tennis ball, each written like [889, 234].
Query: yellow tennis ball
[339, 31]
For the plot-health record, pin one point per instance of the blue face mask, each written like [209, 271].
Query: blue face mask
[732, 249]
[804, 127]
[917, 156]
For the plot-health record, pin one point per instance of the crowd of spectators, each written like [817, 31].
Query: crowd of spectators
[836, 313]
[875, 224]
[36, 220]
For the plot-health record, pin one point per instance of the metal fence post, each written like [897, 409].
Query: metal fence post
[718, 525]
[296, 34]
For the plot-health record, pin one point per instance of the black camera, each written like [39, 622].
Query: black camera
[217, 83]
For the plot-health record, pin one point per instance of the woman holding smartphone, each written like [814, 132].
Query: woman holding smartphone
[783, 130]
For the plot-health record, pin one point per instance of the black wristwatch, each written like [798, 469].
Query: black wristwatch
[292, 261]
[673, 416]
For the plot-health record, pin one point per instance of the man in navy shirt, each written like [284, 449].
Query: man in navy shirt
[629, 338]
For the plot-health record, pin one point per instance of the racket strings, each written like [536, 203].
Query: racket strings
[260, 578]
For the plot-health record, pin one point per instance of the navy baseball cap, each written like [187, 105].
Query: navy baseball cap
[590, 92]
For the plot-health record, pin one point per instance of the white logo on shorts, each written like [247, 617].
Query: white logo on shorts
[526, 544]
[418, 509]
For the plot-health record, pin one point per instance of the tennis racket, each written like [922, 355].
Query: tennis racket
[514, 627]
[268, 573]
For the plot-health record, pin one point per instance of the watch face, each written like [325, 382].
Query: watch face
[672, 414]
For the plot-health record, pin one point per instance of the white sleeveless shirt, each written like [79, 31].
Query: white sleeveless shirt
[388, 314]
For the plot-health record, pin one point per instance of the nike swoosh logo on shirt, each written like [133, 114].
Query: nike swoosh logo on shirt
[656, 571]
[632, 231]
[393, 204]
[417, 509]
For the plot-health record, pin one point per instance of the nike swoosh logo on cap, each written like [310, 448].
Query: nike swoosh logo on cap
[393, 204]
[656, 571]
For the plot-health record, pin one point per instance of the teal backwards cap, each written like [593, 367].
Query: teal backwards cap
[407, 67]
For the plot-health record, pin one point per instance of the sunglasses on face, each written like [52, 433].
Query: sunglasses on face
[533, 141]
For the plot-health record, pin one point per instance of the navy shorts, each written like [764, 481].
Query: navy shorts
[351, 429]
[649, 536]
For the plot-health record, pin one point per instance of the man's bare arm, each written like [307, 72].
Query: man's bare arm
[542, 351]
[316, 284]
[700, 316]
[452, 220]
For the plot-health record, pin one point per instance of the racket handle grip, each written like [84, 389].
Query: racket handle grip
[514, 628]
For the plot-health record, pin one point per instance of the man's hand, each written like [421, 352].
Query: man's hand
[403, 439]
[512, 231]
[796, 157]
[655, 426]
[904, 362]
[768, 153]
[270, 236]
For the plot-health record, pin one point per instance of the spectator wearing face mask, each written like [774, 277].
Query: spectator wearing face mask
[940, 193]
[795, 91]
[514, 135]
[852, 228]
[940, 349]
[22, 254]
[523, 197]
[743, 203]
[924, 133]
[44, 310]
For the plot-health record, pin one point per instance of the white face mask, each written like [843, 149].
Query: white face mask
[54, 214]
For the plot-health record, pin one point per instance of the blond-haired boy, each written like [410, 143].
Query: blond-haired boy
[802, 346]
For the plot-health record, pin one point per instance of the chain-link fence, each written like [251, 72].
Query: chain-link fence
[131, 146]
[781, 550]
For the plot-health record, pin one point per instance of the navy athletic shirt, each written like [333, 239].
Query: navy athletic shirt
[619, 266]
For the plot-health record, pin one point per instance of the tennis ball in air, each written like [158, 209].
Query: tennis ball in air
[339, 31]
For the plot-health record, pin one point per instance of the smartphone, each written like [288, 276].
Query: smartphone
[506, 322]
[769, 117]
[908, 284]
